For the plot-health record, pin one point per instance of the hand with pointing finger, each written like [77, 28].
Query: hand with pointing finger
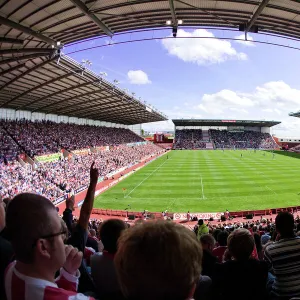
[94, 174]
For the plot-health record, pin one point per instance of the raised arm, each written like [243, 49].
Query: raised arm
[88, 203]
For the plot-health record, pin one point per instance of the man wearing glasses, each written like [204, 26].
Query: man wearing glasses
[38, 237]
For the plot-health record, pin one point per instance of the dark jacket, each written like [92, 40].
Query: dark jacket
[240, 280]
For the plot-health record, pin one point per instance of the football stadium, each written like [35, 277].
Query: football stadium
[192, 193]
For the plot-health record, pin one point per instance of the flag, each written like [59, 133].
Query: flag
[124, 189]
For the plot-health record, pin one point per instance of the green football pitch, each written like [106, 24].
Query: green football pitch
[209, 181]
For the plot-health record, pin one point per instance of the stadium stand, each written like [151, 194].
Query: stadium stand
[55, 178]
[241, 140]
[189, 139]
[222, 134]
[153, 260]
[45, 137]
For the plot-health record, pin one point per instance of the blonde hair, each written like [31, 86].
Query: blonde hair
[158, 260]
[240, 244]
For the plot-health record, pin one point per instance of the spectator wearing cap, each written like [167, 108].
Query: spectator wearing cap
[158, 260]
[283, 258]
[242, 268]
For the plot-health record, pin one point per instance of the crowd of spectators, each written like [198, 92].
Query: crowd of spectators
[56, 178]
[16, 179]
[8, 148]
[222, 139]
[73, 173]
[189, 139]
[241, 139]
[146, 260]
[44, 137]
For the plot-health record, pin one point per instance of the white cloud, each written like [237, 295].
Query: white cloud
[243, 42]
[272, 97]
[138, 77]
[272, 100]
[199, 50]
[240, 110]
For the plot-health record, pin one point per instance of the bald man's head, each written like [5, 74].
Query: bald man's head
[29, 216]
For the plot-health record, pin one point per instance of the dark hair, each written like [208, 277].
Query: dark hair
[257, 241]
[110, 232]
[216, 233]
[200, 222]
[222, 238]
[285, 224]
[27, 219]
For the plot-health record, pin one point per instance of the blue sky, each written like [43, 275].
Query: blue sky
[204, 78]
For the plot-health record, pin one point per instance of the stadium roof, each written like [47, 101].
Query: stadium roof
[41, 23]
[295, 114]
[62, 86]
[32, 33]
[193, 122]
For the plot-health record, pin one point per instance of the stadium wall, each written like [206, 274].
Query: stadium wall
[11, 114]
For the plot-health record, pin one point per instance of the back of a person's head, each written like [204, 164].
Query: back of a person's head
[200, 222]
[285, 223]
[27, 219]
[207, 241]
[240, 244]
[216, 233]
[222, 238]
[158, 260]
[110, 232]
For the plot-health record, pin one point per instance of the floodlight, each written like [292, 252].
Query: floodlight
[179, 22]
[103, 74]
[58, 43]
[168, 22]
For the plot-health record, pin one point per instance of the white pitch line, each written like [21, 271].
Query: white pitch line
[271, 190]
[146, 178]
[203, 196]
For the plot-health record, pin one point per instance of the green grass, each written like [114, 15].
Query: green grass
[255, 181]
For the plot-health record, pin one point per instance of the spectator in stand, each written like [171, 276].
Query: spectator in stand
[102, 265]
[158, 260]
[202, 229]
[242, 268]
[209, 260]
[37, 237]
[258, 246]
[222, 242]
[79, 231]
[189, 139]
[92, 240]
[283, 259]
[6, 251]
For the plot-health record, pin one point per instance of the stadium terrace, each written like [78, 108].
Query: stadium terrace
[90, 209]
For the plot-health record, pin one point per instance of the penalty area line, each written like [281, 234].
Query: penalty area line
[146, 178]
